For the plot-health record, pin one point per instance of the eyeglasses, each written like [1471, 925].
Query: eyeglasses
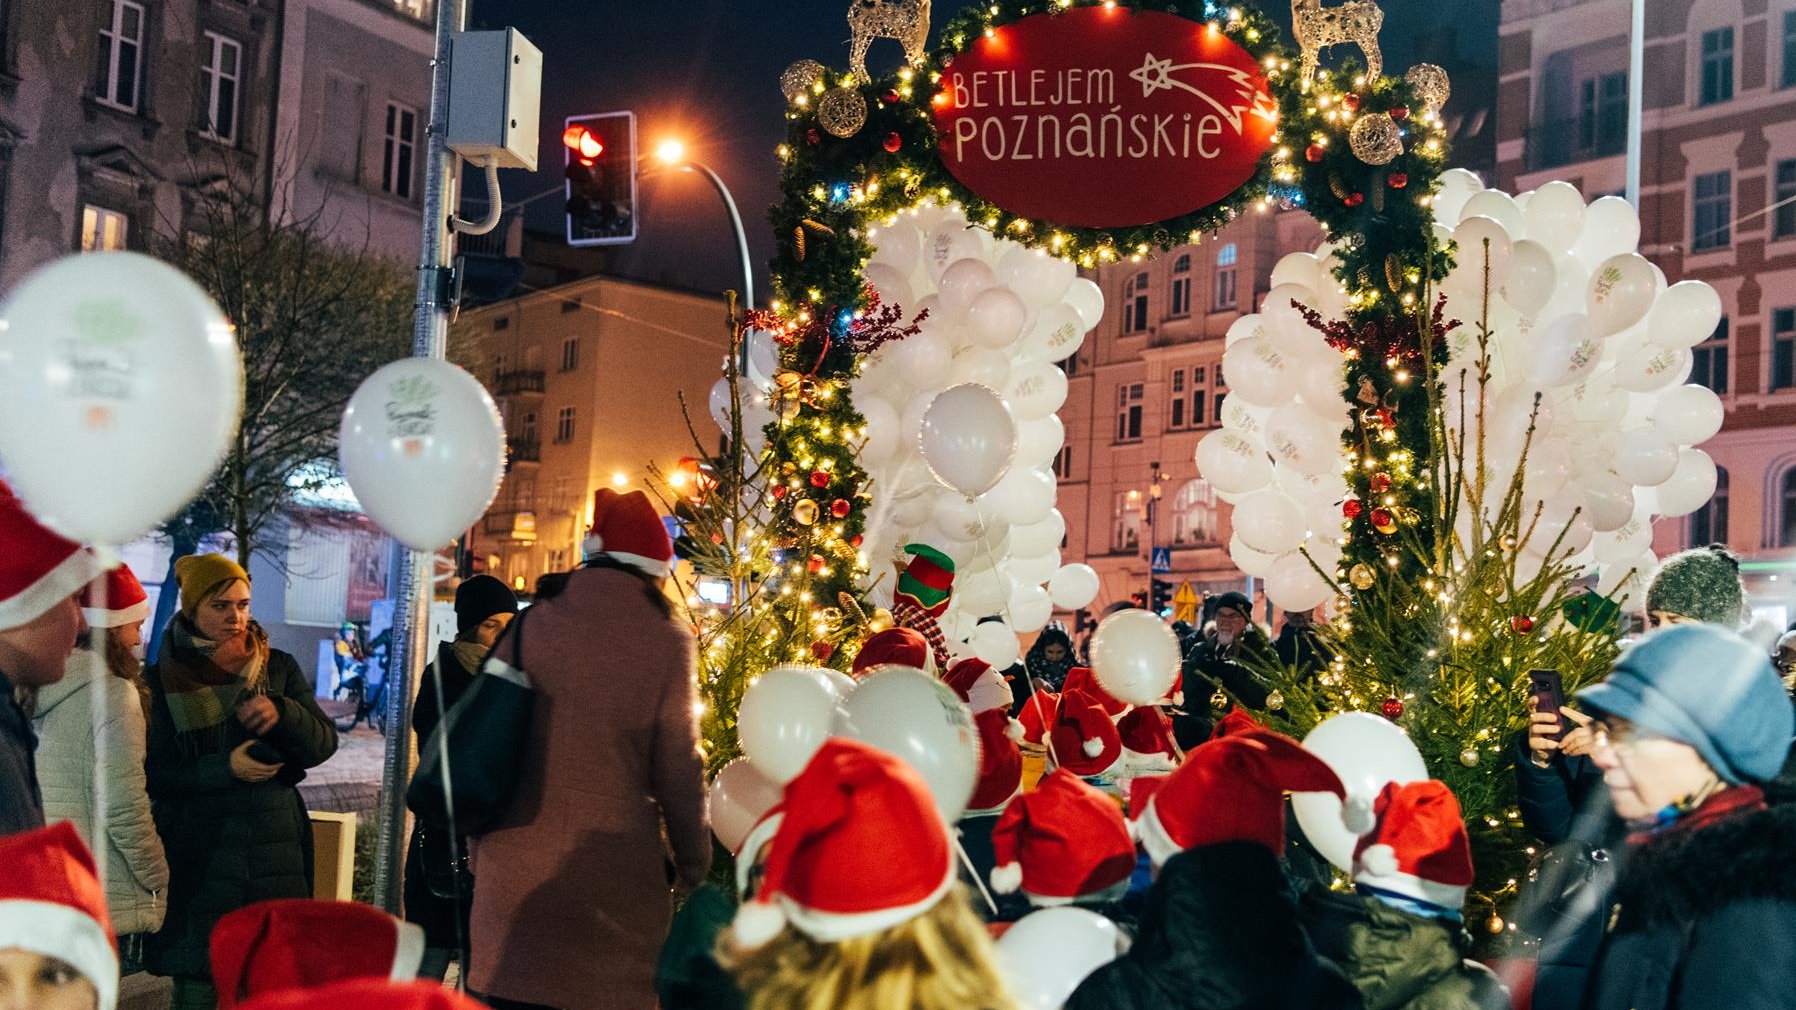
[1624, 736]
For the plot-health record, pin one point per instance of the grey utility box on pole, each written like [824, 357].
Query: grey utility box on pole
[495, 92]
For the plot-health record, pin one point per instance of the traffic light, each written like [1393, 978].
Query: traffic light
[1162, 596]
[1138, 600]
[601, 178]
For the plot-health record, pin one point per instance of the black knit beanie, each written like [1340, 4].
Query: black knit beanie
[1703, 584]
[479, 598]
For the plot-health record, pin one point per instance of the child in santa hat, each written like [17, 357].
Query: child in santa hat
[1220, 929]
[986, 694]
[1084, 737]
[57, 950]
[893, 647]
[858, 907]
[1064, 843]
[298, 943]
[1399, 936]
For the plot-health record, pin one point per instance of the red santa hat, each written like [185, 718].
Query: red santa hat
[1419, 848]
[980, 686]
[39, 568]
[862, 848]
[115, 599]
[1037, 715]
[299, 943]
[1061, 841]
[627, 527]
[1146, 730]
[51, 904]
[1000, 762]
[367, 994]
[892, 647]
[1233, 789]
[752, 844]
[1080, 678]
[1084, 737]
[1239, 720]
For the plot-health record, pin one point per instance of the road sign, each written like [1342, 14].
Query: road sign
[1184, 603]
[1162, 558]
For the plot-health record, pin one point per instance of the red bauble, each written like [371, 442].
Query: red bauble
[1392, 707]
[1521, 624]
[1354, 199]
[1313, 153]
[815, 564]
[717, 538]
[856, 541]
[1398, 180]
[840, 508]
[1350, 102]
[812, 137]
[890, 97]
[822, 651]
[819, 478]
[779, 492]
[894, 142]
[1351, 508]
[1399, 112]
[1381, 518]
[1381, 482]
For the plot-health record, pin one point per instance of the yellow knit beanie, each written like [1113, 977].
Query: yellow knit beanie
[199, 574]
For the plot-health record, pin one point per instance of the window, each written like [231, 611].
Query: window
[345, 114]
[1200, 395]
[1178, 380]
[1135, 304]
[1783, 349]
[401, 141]
[1181, 286]
[220, 75]
[1178, 414]
[1783, 219]
[1717, 74]
[1708, 360]
[1708, 525]
[1713, 206]
[557, 561]
[1128, 412]
[1125, 535]
[1226, 259]
[120, 57]
[564, 425]
[1788, 78]
[570, 354]
[1063, 463]
[1603, 114]
[501, 323]
[1787, 514]
[102, 230]
[1194, 514]
[527, 430]
[571, 305]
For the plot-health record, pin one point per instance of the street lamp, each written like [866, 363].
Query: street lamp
[671, 153]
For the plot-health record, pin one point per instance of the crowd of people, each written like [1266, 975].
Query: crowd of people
[149, 820]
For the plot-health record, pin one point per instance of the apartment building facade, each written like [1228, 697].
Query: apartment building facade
[590, 377]
[1718, 185]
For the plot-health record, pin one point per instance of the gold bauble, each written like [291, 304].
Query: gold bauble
[799, 78]
[842, 112]
[1376, 139]
[1469, 757]
[1495, 925]
[1361, 575]
[804, 511]
[1219, 700]
[1275, 701]
[880, 621]
[1431, 85]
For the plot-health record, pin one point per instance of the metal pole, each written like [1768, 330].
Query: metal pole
[413, 593]
[1636, 97]
[748, 268]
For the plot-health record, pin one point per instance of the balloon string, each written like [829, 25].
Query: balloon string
[96, 659]
[972, 871]
[1047, 736]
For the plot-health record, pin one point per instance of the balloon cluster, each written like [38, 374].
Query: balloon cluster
[757, 389]
[961, 433]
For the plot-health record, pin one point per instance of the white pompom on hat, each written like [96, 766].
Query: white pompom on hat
[1419, 848]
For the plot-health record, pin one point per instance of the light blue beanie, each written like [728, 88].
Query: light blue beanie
[1707, 687]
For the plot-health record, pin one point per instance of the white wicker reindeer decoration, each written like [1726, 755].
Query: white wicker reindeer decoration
[904, 20]
[1318, 27]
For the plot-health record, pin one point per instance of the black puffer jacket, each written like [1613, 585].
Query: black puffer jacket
[21, 805]
[1704, 919]
[1220, 932]
[231, 843]
[1210, 665]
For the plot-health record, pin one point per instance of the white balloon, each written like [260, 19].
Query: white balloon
[1685, 314]
[922, 722]
[1645, 457]
[968, 438]
[1532, 276]
[1688, 415]
[984, 593]
[1299, 268]
[720, 403]
[899, 245]
[1039, 538]
[948, 243]
[1293, 584]
[1056, 336]
[740, 796]
[979, 365]
[120, 390]
[1472, 235]
[996, 317]
[1021, 498]
[1498, 206]
[784, 718]
[1086, 299]
[1037, 278]
[923, 358]
[1232, 462]
[1045, 956]
[1555, 216]
[1035, 390]
[995, 643]
[881, 423]
[893, 287]
[1251, 562]
[1245, 419]
[1626, 581]
[1691, 485]
[1258, 372]
[1285, 322]
[1035, 568]
[1135, 656]
[1074, 586]
[1367, 753]
[1039, 441]
[1652, 368]
[1305, 441]
[1566, 351]
[1029, 610]
[1251, 325]
[964, 281]
[423, 448]
[1456, 187]
[1611, 228]
[1620, 293]
[958, 519]
[763, 357]
[1608, 501]
[1321, 384]
[1270, 522]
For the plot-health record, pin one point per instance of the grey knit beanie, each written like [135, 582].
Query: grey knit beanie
[1703, 584]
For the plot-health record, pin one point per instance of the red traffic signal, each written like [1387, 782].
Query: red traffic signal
[586, 145]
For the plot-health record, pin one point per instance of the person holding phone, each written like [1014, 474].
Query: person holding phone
[233, 726]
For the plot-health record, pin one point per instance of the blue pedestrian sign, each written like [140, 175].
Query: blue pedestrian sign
[1162, 561]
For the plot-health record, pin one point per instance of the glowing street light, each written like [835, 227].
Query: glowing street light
[671, 152]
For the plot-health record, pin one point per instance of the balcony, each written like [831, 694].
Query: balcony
[1560, 142]
[519, 382]
[519, 526]
[522, 450]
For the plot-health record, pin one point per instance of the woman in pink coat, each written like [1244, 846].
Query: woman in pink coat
[574, 897]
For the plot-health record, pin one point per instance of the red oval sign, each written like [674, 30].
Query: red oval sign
[1104, 118]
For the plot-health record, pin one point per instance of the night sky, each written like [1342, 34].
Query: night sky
[708, 71]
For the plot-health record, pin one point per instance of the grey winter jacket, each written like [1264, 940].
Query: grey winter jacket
[69, 748]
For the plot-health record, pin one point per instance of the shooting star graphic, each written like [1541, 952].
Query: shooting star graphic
[1156, 74]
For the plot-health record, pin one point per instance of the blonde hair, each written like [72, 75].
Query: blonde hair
[940, 960]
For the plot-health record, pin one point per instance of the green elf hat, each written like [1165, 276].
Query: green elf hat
[927, 581]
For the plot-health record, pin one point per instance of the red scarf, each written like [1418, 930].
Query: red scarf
[1724, 804]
